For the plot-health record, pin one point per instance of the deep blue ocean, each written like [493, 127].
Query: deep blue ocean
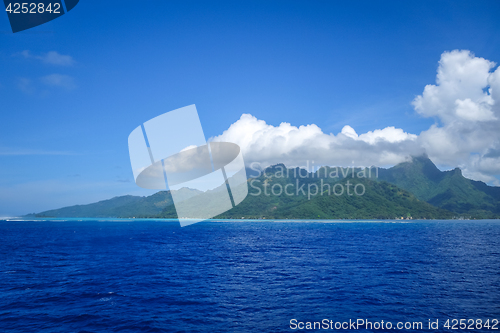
[153, 276]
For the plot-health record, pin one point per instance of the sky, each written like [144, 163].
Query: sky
[358, 82]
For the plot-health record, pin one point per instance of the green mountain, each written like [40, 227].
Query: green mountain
[449, 190]
[416, 188]
[319, 196]
[124, 206]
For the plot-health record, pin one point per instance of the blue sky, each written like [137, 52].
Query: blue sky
[66, 121]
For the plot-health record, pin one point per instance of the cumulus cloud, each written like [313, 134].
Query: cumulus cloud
[464, 101]
[51, 58]
[389, 134]
[460, 92]
[294, 146]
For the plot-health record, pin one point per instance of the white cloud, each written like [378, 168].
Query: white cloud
[55, 58]
[459, 89]
[389, 134]
[349, 132]
[51, 58]
[59, 80]
[293, 145]
[465, 101]
[471, 111]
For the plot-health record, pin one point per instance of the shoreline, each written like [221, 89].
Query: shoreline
[113, 219]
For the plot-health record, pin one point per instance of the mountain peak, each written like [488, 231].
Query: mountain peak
[420, 164]
[457, 171]
[424, 158]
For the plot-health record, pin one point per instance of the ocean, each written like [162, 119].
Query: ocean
[153, 276]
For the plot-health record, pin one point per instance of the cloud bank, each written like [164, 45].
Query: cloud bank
[464, 101]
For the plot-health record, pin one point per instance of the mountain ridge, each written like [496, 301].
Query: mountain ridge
[445, 189]
[414, 188]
